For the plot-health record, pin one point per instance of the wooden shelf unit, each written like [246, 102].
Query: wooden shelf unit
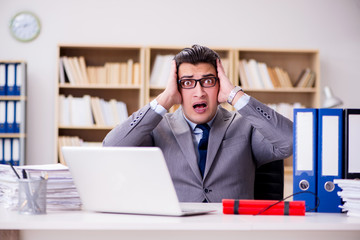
[98, 55]
[22, 98]
[294, 61]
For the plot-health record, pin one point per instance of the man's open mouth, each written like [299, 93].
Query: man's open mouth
[200, 107]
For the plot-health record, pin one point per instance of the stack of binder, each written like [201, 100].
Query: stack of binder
[351, 143]
[11, 78]
[10, 151]
[324, 150]
[12, 112]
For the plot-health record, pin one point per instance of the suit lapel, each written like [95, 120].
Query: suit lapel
[182, 133]
[220, 125]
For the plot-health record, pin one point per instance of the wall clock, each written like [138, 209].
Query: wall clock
[25, 26]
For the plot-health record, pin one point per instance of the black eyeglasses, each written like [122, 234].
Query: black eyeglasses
[205, 82]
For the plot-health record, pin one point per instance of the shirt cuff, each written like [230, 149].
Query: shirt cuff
[242, 102]
[154, 105]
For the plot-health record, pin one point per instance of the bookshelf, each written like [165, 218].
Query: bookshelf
[109, 86]
[13, 112]
[293, 61]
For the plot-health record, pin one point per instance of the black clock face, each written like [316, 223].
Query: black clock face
[25, 26]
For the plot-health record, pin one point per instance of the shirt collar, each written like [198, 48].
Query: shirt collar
[193, 125]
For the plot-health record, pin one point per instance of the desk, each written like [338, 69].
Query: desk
[89, 225]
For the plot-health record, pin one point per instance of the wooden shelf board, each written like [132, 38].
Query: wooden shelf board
[12, 135]
[282, 90]
[12, 98]
[98, 86]
[94, 127]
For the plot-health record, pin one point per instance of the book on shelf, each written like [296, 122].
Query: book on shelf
[283, 77]
[306, 79]
[97, 74]
[80, 111]
[113, 73]
[67, 141]
[73, 70]
[258, 75]
[286, 109]
[75, 63]
[69, 75]
[265, 77]
[72, 141]
[88, 111]
[255, 76]
[75, 111]
[274, 78]
[244, 74]
[83, 71]
[161, 70]
[129, 72]
[96, 108]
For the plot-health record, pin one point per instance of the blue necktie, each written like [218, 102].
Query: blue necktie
[202, 147]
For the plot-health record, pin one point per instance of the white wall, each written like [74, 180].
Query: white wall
[332, 26]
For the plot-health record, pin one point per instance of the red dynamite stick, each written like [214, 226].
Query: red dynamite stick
[233, 206]
[255, 211]
[261, 203]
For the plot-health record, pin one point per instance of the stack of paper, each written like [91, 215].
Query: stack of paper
[61, 191]
[350, 195]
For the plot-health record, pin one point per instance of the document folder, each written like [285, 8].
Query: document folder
[15, 152]
[7, 150]
[305, 155]
[330, 135]
[2, 116]
[10, 117]
[18, 79]
[2, 161]
[2, 79]
[10, 78]
[351, 143]
[17, 120]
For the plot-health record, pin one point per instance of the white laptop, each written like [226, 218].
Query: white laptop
[132, 180]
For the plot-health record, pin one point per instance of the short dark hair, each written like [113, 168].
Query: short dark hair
[196, 54]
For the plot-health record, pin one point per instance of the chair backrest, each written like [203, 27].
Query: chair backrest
[269, 181]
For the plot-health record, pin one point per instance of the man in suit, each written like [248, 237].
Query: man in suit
[238, 142]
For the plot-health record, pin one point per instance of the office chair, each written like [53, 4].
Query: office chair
[269, 181]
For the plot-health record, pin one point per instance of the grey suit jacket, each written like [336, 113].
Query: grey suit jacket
[238, 143]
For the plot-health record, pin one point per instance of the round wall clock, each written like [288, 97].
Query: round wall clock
[25, 26]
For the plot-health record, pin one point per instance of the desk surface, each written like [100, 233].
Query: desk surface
[83, 220]
[213, 226]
